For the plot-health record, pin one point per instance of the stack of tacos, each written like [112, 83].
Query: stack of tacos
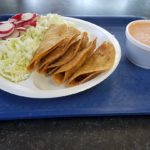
[69, 57]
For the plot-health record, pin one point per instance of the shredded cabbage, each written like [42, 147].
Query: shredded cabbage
[16, 53]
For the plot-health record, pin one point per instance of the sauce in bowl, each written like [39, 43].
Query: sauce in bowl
[141, 31]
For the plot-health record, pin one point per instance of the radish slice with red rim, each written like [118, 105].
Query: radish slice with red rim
[2, 22]
[27, 16]
[15, 34]
[21, 29]
[18, 23]
[21, 24]
[12, 20]
[6, 34]
[25, 23]
[17, 16]
[6, 28]
[32, 23]
[35, 18]
[28, 24]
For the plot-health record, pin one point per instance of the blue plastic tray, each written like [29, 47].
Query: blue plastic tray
[125, 92]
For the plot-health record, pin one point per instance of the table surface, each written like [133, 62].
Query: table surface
[114, 133]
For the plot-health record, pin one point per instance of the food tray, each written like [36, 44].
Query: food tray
[125, 92]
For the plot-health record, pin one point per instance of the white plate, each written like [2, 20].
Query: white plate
[28, 89]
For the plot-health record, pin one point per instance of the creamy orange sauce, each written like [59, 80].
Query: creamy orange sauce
[141, 32]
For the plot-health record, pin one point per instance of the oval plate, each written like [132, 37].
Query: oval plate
[28, 89]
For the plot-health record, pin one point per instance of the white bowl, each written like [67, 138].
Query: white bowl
[137, 52]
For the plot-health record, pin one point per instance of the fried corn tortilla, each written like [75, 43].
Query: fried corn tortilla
[51, 71]
[52, 56]
[102, 60]
[54, 36]
[72, 51]
[56, 54]
[85, 41]
[65, 71]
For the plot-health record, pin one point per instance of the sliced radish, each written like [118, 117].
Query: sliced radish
[28, 24]
[18, 23]
[6, 34]
[26, 20]
[17, 16]
[6, 28]
[15, 34]
[2, 22]
[21, 29]
[35, 18]
[12, 20]
[27, 16]
[32, 23]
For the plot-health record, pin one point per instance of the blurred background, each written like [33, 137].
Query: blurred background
[78, 7]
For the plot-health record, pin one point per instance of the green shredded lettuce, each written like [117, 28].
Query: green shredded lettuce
[16, 53]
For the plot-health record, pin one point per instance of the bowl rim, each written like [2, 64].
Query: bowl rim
[132, 39]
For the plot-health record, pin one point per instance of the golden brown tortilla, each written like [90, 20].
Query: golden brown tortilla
[56, 54]
[54, 36]
[85, 41]
[72, 51]
[65, 71]
[50, 57]
[102, 60]
[38, 56]
[51, 71]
